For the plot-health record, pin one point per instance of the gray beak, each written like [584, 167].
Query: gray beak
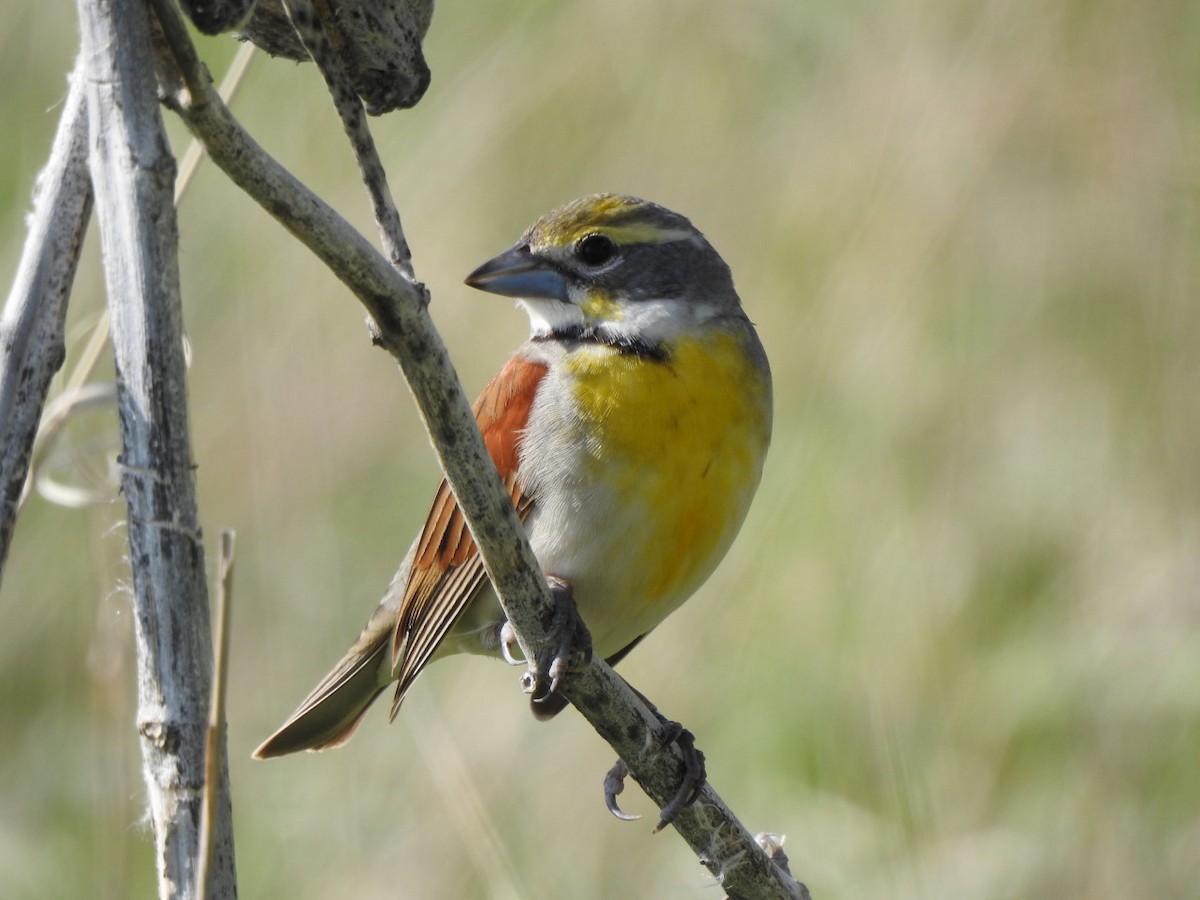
[518, 273]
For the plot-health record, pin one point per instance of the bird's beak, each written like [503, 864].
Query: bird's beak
[518, 273]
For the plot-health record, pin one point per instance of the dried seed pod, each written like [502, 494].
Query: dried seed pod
[215, 16]
[378, 41]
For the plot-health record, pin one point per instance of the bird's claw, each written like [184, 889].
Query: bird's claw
[694, 776]
[614, 783]
[508, 640]
[694, 773]
[568, 650]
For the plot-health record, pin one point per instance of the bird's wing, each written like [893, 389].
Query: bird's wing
[431, 590]
[446, 570]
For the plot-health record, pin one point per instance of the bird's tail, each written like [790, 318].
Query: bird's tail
[328, 716]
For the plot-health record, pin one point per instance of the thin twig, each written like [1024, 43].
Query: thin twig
[354, 121]
[216, 712]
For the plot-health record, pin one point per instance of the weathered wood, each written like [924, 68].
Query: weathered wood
[31, 330]
[133, 172]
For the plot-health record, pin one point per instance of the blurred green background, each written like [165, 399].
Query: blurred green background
[955, 651]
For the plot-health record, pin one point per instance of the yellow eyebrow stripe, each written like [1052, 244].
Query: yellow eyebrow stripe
[639, 233]
[626, 235]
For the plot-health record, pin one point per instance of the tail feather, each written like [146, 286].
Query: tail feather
[328, 716]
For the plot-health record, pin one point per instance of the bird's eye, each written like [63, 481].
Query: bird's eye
[595, 249]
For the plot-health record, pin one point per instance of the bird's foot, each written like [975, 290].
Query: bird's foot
[568, 649]
[694, 774]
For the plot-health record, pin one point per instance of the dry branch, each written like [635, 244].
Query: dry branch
[31, 331]
[133, 172]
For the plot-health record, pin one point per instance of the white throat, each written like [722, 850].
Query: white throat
[549, 316]
[644, 322]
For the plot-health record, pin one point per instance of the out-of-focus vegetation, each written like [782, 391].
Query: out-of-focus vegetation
[956, 650]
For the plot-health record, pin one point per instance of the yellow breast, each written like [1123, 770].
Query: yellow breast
[678, 445]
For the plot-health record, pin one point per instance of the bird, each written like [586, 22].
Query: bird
[630, 430]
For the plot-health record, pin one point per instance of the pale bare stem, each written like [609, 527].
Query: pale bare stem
[398, 307]
[74, 393]
[354, 120]
[216, 715]
[32, 347]
[134, 175]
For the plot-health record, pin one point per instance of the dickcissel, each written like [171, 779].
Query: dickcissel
[630, 430]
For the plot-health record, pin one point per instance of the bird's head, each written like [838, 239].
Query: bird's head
[618, 266]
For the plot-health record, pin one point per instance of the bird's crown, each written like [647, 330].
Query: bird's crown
[621, 219]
